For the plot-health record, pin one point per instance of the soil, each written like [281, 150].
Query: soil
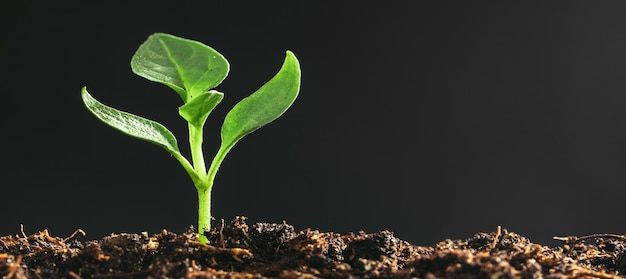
[266, 250]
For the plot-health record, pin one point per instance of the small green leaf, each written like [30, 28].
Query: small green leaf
[131, 124]
[198, 109]
[188, 67]
[264, 105]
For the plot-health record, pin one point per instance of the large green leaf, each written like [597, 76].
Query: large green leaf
[264, 105]
[131, 124]
[198, 109]
[189, 67]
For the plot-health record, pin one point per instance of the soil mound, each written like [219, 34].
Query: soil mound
[266, 250]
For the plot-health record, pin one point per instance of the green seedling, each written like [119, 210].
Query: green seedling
[193, 70]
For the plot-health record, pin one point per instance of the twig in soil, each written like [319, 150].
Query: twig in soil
[496, 237]
[578, 272]
[22, 230]
[222, 234]
[46, 235]
[74, 234]
[572, 239]
[4, 245]
[74, 275]
[235, 253]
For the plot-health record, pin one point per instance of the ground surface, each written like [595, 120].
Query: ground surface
[264, 250]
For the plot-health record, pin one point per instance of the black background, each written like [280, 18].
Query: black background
[433, 119]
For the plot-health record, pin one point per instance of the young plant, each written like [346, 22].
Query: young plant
[193, 70]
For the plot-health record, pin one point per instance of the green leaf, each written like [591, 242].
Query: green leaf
[198, 109]
[189, 67]
[131, 124]
[264, 105]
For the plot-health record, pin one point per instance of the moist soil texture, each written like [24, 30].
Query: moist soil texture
[265, 250]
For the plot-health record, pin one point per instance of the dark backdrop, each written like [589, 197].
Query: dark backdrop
[432, 119]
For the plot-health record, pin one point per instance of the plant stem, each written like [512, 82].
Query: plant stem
[204, 187]
[202, 182]
[204, 213]
[197, 157]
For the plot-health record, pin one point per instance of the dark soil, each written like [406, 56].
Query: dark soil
[278, 251]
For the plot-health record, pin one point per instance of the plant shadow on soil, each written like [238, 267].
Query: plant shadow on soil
[269, 250]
